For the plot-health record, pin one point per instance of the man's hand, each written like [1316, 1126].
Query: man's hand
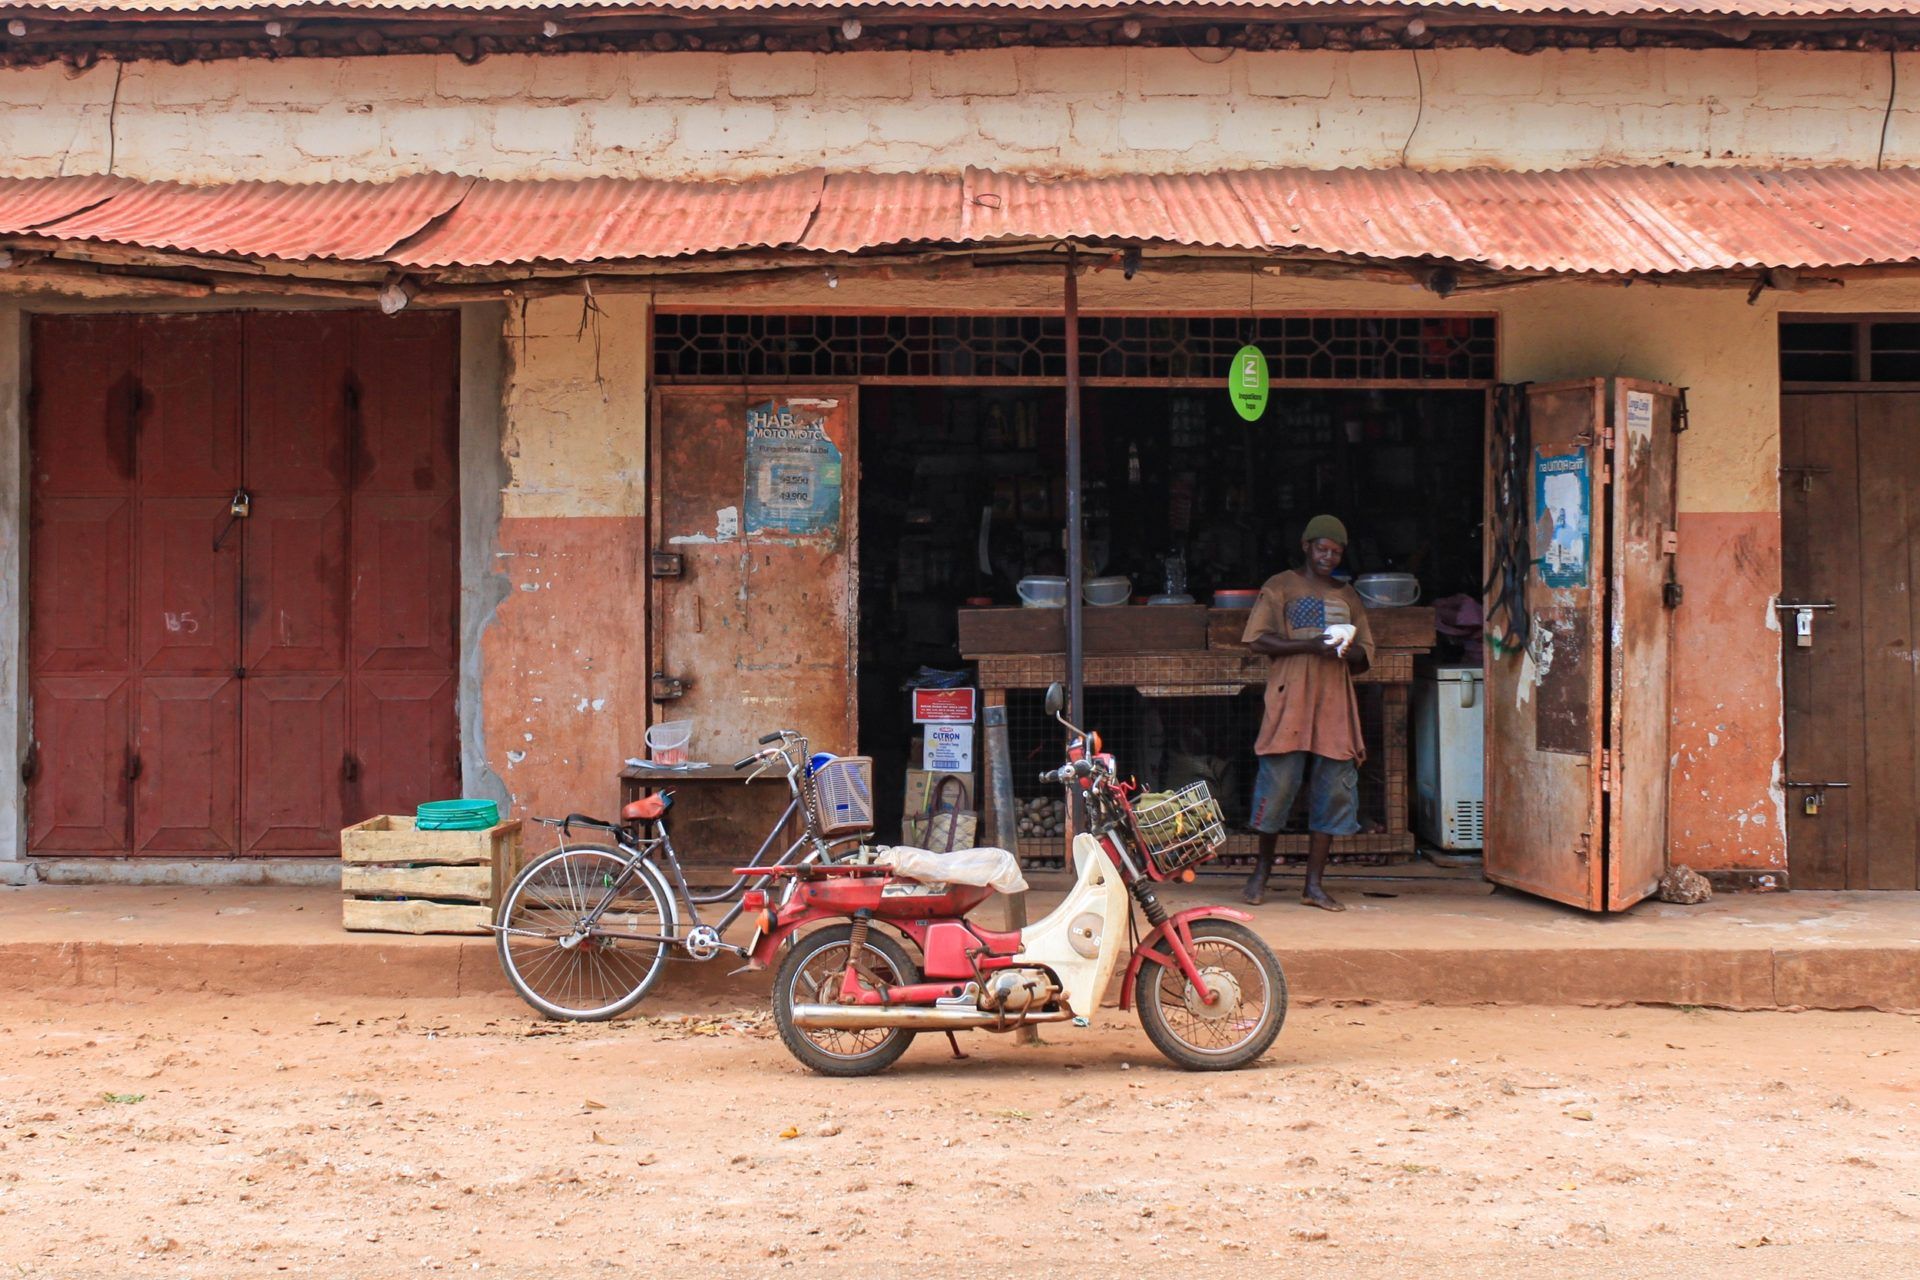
[1273, 646]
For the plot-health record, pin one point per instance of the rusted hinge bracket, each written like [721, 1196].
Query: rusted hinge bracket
[1669, 542]
[1606, 770]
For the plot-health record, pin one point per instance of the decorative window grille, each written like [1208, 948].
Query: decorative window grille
[692, 347]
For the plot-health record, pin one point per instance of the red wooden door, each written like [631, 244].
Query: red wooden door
[210, 685]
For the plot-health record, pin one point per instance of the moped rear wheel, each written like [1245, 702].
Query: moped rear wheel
[575, 974]
[812, 973]
[1238, 1027]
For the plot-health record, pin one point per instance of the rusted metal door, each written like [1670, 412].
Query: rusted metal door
[1850, 523]
[754, 570]
[1546, 703]
[207, 682]
[1642, 543]
[1578, 717]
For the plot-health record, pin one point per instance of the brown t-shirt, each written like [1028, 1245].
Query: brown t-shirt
[1310, 701]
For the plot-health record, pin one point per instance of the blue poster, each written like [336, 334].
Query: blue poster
[793, 472]
[1563, 517]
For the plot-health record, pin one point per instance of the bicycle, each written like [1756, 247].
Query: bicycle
[584, 930]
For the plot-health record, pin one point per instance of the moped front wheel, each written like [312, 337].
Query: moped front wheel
[812, 973]
[566, 969]
[1250, 1006]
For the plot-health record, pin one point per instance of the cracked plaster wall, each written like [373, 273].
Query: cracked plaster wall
[687, 115]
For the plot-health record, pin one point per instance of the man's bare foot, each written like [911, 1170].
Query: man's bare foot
[1318, 897]
[1254, 892]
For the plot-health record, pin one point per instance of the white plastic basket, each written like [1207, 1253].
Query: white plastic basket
[843, 795]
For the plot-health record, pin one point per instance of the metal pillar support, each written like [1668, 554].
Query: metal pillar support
[1076, 530]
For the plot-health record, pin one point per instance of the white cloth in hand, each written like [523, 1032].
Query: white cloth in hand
[1340, 635]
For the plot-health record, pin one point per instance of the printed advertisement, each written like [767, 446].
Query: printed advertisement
[793, 472]
[1563, 518]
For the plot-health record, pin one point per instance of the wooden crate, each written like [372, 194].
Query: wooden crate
[401, 880]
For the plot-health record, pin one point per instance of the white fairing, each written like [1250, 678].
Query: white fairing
[1099, 898]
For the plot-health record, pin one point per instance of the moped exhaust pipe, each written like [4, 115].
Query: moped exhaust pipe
[881, 1017]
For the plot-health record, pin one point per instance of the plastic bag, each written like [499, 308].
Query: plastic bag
[993, 867]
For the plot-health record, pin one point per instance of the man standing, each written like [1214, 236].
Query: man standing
[1314, 630]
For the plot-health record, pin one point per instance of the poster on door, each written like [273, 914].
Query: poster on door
[1563, 517]
[793, 471]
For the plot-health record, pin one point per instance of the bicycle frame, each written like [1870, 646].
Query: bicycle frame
[807, 847]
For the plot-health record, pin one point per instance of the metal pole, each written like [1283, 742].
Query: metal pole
[1076, 534]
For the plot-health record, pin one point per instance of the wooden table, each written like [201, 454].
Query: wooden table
[1222, 669]
[720, 814]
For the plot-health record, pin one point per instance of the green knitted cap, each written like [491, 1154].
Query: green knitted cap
[1325, 527]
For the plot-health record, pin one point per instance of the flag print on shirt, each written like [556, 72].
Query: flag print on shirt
[1310, 616]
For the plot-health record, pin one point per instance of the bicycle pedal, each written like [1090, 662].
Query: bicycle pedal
[748, 967]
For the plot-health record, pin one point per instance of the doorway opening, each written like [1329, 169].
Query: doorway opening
[963, 495]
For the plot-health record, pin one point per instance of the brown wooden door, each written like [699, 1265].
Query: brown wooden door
[206, 686]
[1850, 513]
[1578, 719]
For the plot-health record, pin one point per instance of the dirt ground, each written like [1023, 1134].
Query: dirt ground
[246, 1137]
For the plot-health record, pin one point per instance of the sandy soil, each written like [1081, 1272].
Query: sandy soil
[246, 1137]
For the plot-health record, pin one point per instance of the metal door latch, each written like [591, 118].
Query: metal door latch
[1816, 797]
[1802, 611]
[666, 688]
[667, 564]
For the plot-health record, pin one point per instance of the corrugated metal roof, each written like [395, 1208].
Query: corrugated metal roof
[27, 203]
[1610, 221]
[838, 8]
[608, 219]
[349, 221]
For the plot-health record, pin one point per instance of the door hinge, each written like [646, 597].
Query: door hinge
[1606, 770]
[133, 766]
[667, 564]
[1669, 542]
[1585, 848]
[666, 688]
[349, 768]
[30, 766]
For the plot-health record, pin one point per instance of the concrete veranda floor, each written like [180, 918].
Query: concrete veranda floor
[1443, 943]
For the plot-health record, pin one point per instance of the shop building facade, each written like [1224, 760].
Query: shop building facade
[542, 487]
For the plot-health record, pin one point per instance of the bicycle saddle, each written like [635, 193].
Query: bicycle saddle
[649, 808]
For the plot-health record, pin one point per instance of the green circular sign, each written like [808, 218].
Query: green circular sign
[1247, 383]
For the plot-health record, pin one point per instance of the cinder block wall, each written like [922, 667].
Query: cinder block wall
[685, 115]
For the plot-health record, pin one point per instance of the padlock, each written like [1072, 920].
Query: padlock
[1803, 628]
[1811, 804]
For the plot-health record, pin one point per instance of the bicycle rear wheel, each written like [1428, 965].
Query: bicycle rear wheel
[578, 974]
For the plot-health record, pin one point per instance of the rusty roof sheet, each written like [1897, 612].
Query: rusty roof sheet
[1785, 9]
[1607, 221]
[346, 221]
[610, 219]
[26, 204]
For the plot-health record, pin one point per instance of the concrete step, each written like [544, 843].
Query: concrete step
[1399, 941]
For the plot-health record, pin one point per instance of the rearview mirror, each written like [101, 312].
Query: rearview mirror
[1056, 698]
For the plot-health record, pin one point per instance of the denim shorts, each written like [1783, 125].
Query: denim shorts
[1333, 793]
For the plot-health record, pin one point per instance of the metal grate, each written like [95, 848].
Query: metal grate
[1156, 349]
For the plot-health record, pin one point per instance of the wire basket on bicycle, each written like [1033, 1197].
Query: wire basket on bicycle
[1179, 828]
[840, 793]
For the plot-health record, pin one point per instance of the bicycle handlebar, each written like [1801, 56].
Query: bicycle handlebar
[773, 737]
[738, 765]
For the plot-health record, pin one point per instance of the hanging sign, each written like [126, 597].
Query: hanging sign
[1561, 510]
[1247, 383]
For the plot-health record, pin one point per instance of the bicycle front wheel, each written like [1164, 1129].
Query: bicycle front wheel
[570, 970]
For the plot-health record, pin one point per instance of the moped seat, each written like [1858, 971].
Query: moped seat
[985, 867]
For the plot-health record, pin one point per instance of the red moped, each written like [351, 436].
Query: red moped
[882, 951]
